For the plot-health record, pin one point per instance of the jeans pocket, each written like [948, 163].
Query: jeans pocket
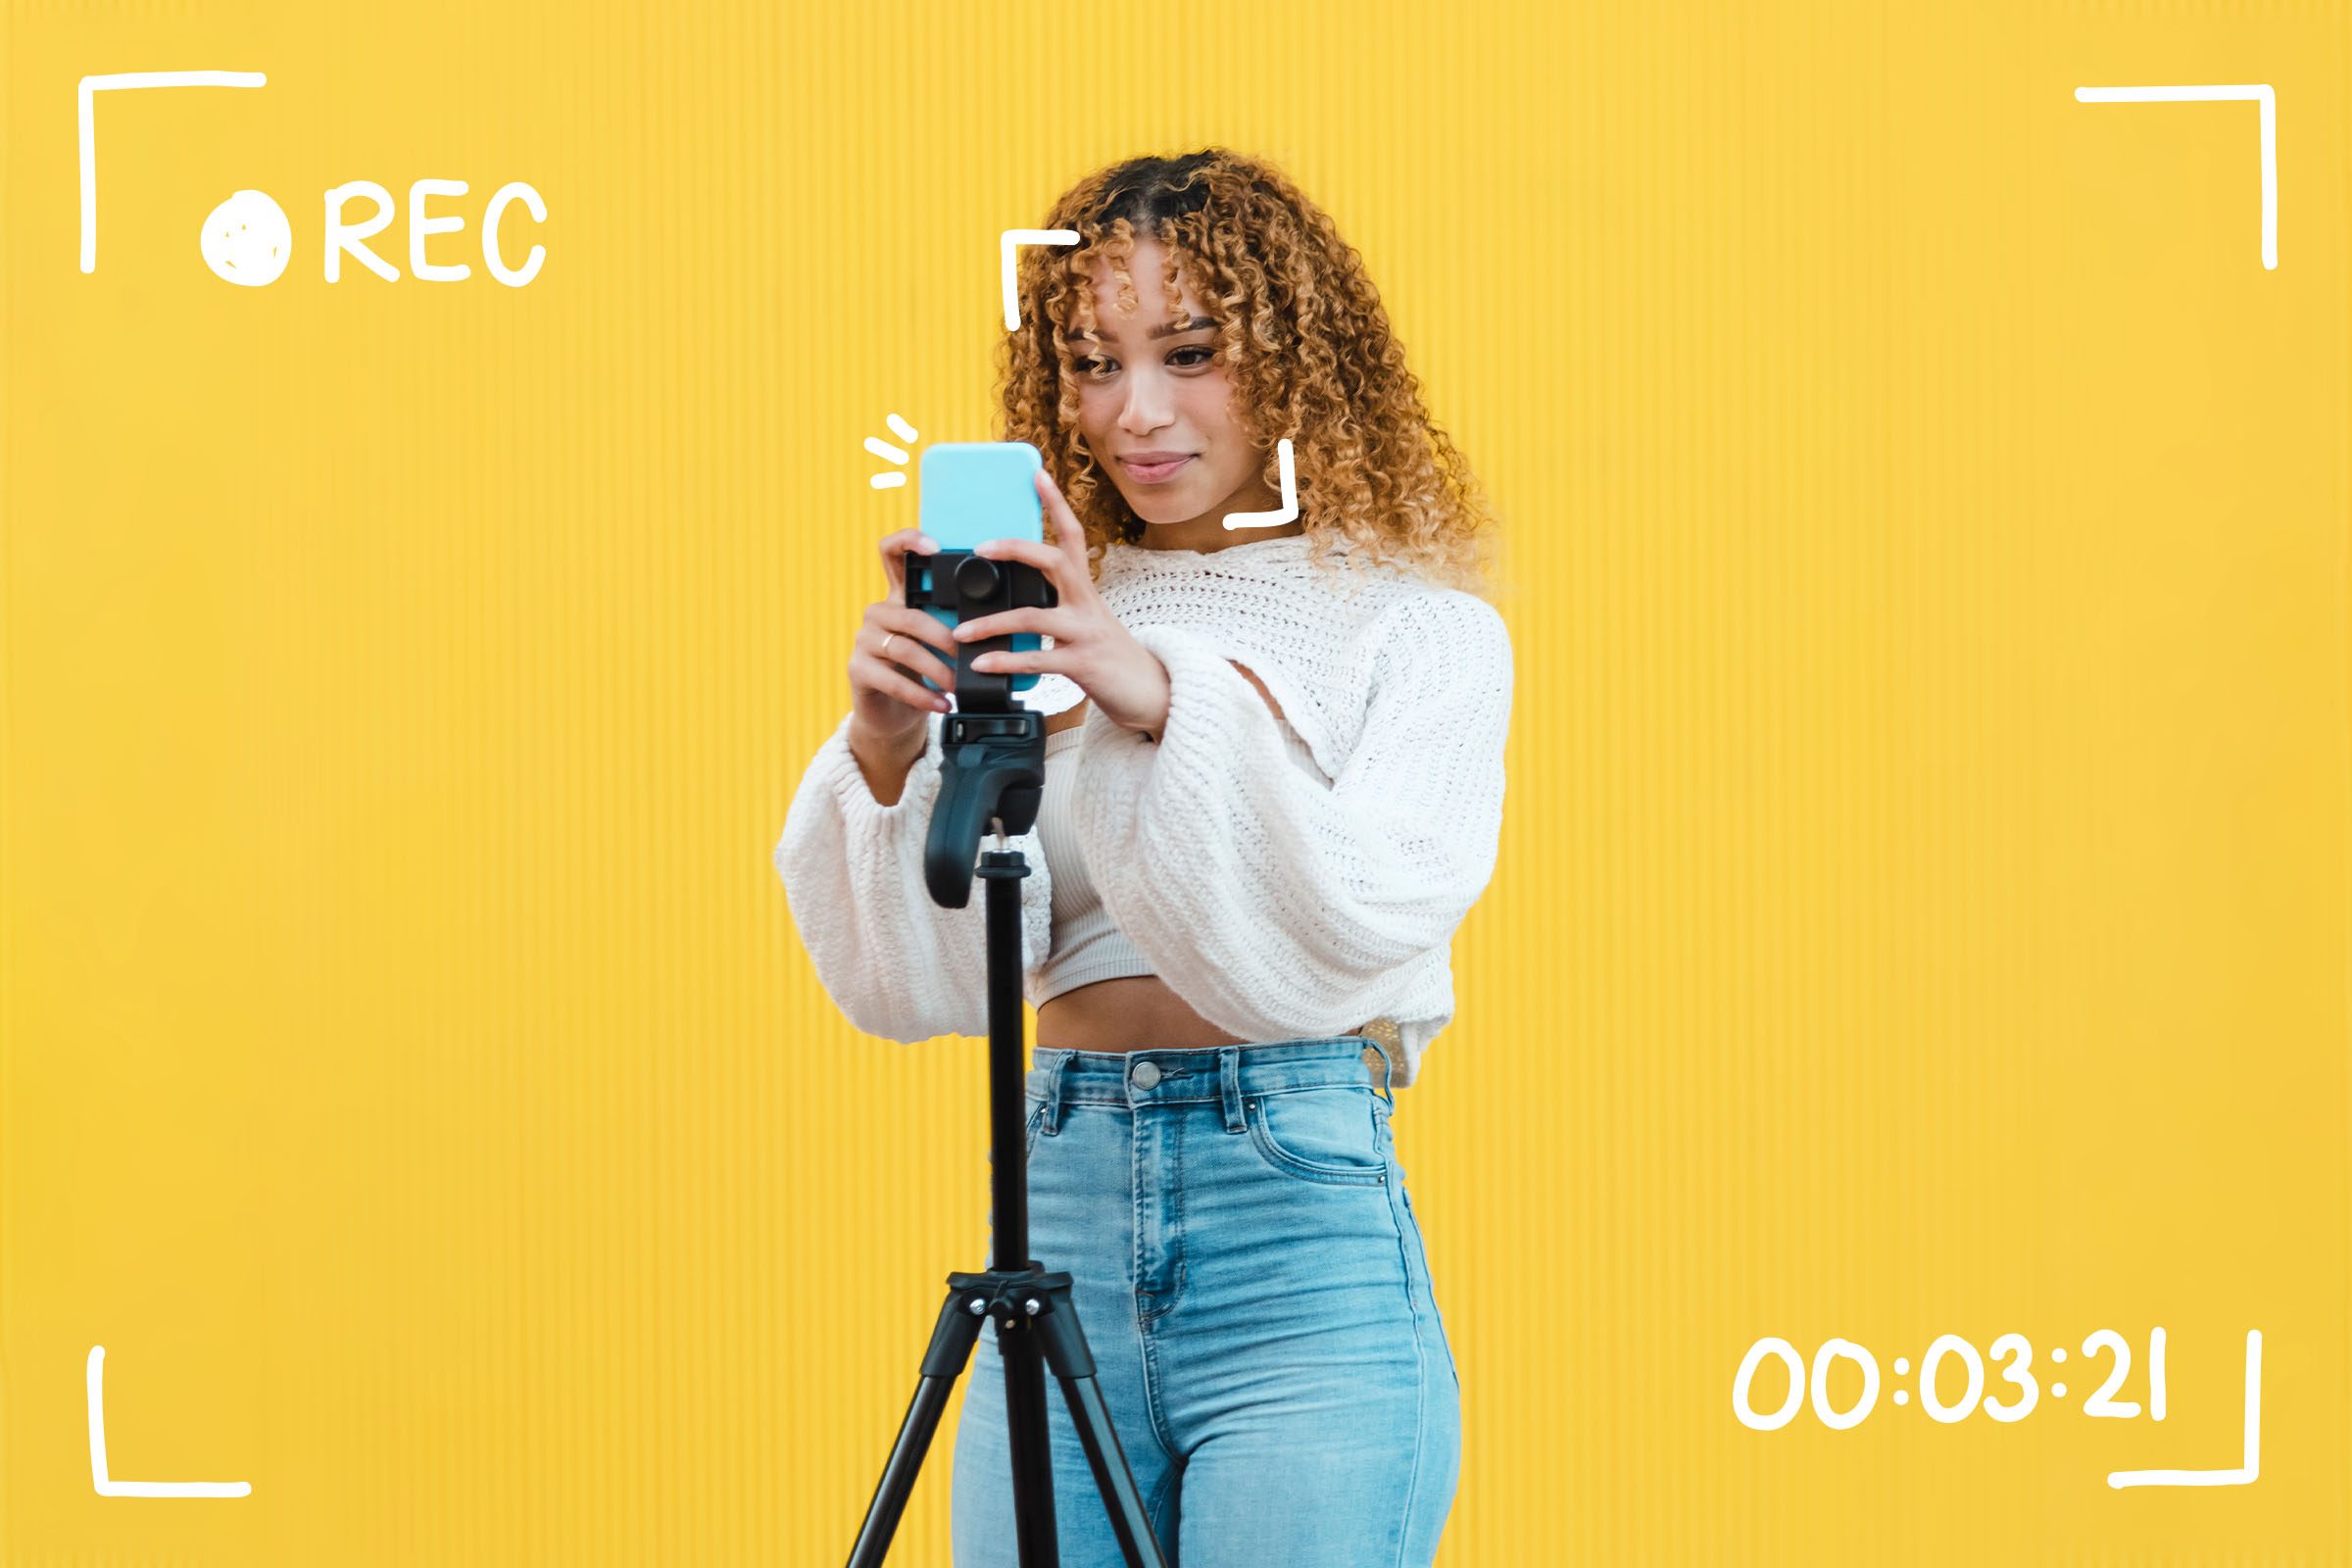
[1334, 1133]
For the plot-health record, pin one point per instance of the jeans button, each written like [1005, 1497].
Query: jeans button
[1146, 1073]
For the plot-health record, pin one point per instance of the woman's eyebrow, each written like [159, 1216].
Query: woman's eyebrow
[1163, 329]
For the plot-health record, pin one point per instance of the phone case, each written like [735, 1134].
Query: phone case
[974, 491]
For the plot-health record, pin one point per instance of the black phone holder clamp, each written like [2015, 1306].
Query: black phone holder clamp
[992, 748]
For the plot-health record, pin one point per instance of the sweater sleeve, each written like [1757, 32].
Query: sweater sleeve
[1274, 903]
[895, 963]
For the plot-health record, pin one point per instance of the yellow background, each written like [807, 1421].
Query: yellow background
[1923, 905]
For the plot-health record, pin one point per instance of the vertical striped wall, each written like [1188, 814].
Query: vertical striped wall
[1923, 908]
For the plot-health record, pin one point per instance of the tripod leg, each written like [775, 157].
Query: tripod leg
[1032, 1442]
[951, 1349]
[1074, 1367]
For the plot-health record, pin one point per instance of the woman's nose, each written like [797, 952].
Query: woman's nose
[1147, 405]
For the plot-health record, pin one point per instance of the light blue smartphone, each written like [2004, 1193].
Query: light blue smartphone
[973, 492]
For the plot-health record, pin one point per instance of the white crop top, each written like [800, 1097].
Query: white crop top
[1086, 946]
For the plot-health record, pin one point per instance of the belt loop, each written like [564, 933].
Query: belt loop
[1053, 1092]
[1229, 1088]
[1385, 1091]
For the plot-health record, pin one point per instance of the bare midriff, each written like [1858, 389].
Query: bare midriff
[1128, 1013]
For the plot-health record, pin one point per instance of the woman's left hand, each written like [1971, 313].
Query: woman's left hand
[1125, 679]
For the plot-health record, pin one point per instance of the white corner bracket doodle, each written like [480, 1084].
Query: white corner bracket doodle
[2260, 93]
[2240, 1474]
[1290, 496]
[91, 86]
[95, 1377]
[1009, 246]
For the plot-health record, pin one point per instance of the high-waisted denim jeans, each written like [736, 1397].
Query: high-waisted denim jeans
[1253, 1287]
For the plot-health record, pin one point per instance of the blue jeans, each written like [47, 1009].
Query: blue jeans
[1253, 1287]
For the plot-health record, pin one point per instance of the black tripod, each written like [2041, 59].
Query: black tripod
[994, 770]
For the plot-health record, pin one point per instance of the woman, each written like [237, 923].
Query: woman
[1274, 788]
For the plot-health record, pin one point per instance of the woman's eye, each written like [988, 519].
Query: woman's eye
[1206, 356]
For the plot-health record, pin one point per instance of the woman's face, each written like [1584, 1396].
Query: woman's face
[1145, 391]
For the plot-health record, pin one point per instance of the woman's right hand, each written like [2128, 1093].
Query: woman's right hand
[889, 707]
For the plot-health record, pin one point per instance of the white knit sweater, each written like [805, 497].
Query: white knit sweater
[1277, 906]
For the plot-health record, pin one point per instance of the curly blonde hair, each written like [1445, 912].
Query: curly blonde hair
[1301, 335]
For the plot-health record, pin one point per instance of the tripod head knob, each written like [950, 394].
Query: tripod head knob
[977, 580]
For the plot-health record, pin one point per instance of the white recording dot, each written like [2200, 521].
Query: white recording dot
[247, 239]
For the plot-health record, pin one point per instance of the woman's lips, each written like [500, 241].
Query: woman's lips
[1152, 472]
